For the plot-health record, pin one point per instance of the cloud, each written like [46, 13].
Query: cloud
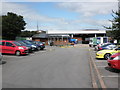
[86, 12]
[61, 1]
[90, 9]
[31, 16]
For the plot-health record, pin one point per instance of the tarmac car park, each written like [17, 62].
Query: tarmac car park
[110, 77]
[108, 68]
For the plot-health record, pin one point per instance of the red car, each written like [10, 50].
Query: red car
[114, 61]
[12, 47]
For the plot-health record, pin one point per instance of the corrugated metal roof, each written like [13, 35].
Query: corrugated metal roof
[41, 35]
[78, 32]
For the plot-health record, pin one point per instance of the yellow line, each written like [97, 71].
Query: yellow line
[94, 84]
[98, 73]
[110, 76]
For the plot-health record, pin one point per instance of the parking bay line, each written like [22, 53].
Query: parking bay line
[110, 76]
[101, 66]
[101, 61]
[102, 83]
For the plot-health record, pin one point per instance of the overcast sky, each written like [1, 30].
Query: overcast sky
[63, 15]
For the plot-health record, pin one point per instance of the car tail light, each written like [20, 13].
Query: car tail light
[100, 48]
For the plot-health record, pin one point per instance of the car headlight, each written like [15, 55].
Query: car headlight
[34, 46]
[27, 47]
[20, 47]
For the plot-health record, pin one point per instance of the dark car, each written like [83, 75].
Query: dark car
[30, 48]
[107, 46]
[40, 44]
[34, 46]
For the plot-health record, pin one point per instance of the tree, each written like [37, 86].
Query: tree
[115, 28]
[28, 33]
[12, 24]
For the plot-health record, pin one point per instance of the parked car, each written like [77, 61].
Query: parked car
[99, 45]
[106, 46]
[37, 44]
[107, 53]
[114, 61]
[30, 48]
[40, 44]
[34, 46]
[13, 47]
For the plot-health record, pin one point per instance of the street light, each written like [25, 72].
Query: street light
[118, 5]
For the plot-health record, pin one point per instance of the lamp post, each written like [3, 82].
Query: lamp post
[118, 5]
[119, 11]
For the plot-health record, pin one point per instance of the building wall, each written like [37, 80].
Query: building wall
[45, 40]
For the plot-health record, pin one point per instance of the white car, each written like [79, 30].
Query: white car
[99, 45]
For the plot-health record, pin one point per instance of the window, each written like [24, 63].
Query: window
[2, 43]
[8, 44]
[118, 48]
[17, 44]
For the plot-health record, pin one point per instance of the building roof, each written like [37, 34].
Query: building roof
[78, 32]
[41, 35]
[49, 35]
[58, 35]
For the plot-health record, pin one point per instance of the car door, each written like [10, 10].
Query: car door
[2, 47]
[9, 48]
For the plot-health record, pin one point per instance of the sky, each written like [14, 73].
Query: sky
[62, 15]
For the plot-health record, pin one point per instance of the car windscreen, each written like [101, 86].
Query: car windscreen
[106, 45]
[22, 43]
[27, 42]
[40, 42]
[17, 44]
[31, 42]
[37, 42]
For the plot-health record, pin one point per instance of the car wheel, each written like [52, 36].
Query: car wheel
[38, 48]
[17, 53]
[41, 48]
[107, 56]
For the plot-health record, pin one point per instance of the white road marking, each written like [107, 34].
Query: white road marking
[101, 66]
[111, 76]
[101, 61]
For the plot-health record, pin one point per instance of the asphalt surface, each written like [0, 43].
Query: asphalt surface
[51, 68]
[110, 76]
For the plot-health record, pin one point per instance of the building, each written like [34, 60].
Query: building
[63, 37]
